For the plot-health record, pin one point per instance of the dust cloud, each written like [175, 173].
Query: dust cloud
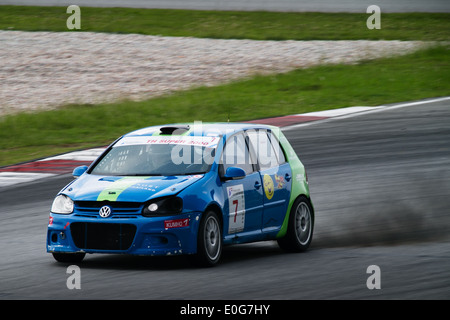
[415, 210]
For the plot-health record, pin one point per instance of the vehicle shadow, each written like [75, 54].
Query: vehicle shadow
[231, 255]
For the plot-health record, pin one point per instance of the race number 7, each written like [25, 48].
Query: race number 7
[236, 202]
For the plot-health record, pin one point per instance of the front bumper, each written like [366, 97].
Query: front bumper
[136, 236]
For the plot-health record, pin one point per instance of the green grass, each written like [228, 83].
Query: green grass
[230, 24]
[419, 75]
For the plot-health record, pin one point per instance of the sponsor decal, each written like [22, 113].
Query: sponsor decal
[200, 141]
[279, 181]
[178, 223]
[236, 204]
[112, 192]
[268, 186]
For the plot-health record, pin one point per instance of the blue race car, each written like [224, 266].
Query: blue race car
[185, 189]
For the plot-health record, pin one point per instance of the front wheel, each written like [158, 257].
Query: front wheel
[209, 241]
[300, 228]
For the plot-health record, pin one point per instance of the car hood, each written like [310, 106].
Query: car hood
[131, 189]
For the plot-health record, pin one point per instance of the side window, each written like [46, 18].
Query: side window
[277, 148]
[267, 155]
[236, 154]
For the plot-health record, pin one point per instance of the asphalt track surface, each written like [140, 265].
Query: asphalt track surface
[380, 183]
[356, 6]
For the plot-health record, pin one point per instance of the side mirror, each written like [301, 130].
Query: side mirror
[78, 171]
[234, 173]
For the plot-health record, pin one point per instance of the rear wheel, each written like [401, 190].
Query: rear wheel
[209, 241]
[300, 227]
[69, 257]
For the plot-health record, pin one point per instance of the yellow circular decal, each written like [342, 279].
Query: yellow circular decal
[268, 186]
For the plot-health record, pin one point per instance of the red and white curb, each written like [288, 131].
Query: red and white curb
[65, 163]
[48, 167]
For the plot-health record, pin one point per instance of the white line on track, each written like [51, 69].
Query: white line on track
[336, 112]
[350, 112]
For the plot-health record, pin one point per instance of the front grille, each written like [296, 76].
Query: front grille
[102, 236]
[91, 208]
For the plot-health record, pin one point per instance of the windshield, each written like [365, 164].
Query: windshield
[157, 157]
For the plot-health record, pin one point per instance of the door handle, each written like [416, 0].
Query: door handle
[287, 176]
[257, 185]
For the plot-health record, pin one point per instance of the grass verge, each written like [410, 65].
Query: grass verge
[231, 24]
[419, 75]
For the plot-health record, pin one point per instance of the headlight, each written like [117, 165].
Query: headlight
[163, 207]
[62, 204]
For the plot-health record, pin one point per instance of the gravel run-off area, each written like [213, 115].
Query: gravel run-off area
[44, 70]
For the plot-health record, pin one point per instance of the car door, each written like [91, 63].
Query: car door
[244, 197]
[275, 174]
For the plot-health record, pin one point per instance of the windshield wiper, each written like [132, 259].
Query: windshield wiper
[139, 175]
[190, 173]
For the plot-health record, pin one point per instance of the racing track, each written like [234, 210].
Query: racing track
[380, 183]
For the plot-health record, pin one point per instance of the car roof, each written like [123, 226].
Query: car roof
[198, 128]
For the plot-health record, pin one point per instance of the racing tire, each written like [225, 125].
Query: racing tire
[209, 241]
[300, 227]
[69, 257]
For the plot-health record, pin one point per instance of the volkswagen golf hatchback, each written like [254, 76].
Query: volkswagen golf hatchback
[185, 189]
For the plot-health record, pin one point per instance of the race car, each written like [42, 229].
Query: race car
[185, 189]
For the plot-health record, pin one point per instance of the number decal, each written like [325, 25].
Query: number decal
[236, 203]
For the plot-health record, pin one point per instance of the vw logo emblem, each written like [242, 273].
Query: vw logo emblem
[105, 211]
